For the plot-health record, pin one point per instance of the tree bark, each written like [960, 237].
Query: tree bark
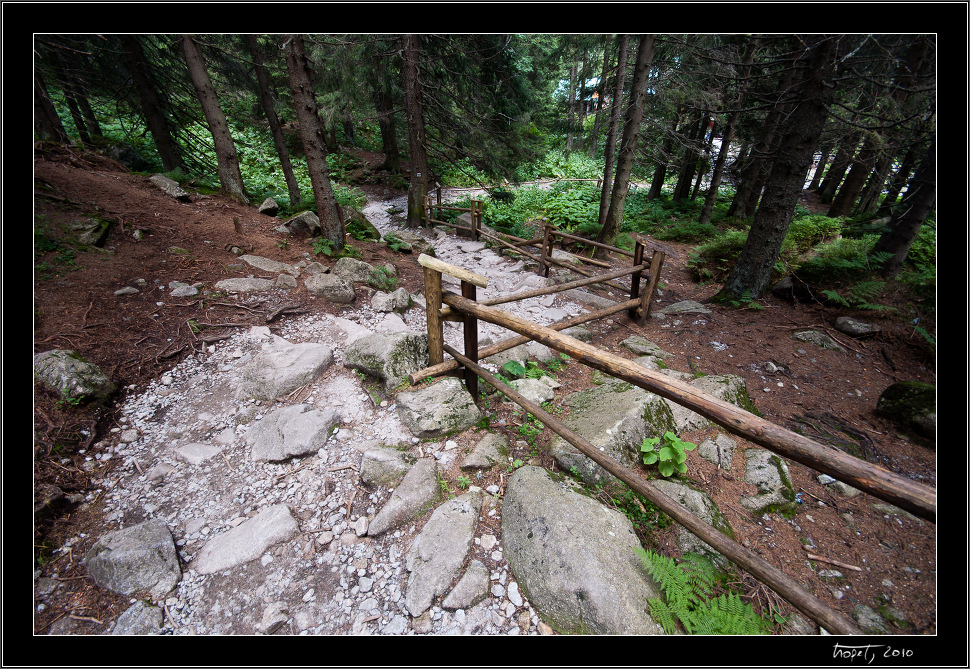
[905, 224]
[385, 117]
[610, 148]
[571, 116]
[226, 158]
[269, 108]
[751, 273]
[414, 106]
[628, 144]
[600, 100]
[728, 135]
[897, 183]
[151, 104]
[314, 141]
[47, 124]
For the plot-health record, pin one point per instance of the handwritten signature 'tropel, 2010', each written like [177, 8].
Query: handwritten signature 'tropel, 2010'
[868, 653]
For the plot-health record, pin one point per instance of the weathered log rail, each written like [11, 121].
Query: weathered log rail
[903, 492]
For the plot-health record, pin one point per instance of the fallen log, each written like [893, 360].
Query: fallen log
[901, 491]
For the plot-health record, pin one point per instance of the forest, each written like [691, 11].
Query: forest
[708, 139]
[791, 177]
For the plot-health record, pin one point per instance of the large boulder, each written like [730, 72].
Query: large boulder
[390, 356]
[615, 418]
[247, 541]
[357, 225]
[73, 377]
[291, 431]
[438, 410]
[701, 505]
[910, 403]
[383, 465]
[436, 556]
[575, 559]
[282, 367]
[770, 475]
[305, 223]
[141, 558]
[330, 287]
[416, 494]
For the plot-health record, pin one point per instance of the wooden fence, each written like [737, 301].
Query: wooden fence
[919, 499]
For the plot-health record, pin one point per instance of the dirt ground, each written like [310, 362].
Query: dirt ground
[827, 395]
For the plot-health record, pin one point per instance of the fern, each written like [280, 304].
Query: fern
[687, 598]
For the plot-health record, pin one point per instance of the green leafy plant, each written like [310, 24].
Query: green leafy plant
[322, 245]
[395, 243]
[464, 481]
[283, 244]
[688, 601]
[671, 456]
[384, 279]
[530, 370]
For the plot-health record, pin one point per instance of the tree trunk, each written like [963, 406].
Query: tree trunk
[385, 121]
[414, 107]
[862, 166]
[822, 162]
[691, 155]
[840, 164]
[660, 169]
[905, 224]
[755, 168]
[601, 89]
[899, 180]
[269, 108]
[751, 274]
[728, 135]
[47, 124]
[628, 144]
[227, 160]
[610, 149]
[151, 105]
[571, 115]
[314, 142]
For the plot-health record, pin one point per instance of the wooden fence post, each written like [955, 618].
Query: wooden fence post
[546, 252]
[635, 279]
[655, 264]
[470, 325]
[432, 296]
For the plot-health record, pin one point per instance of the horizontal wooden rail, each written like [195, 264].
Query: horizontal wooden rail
[558, 288]
[590, 242]
[774, 578]
[901, 491]
[504, 345]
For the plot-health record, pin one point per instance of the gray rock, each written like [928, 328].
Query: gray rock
[910, 403]
[868, 620]
[728, 387]
[574, 558]
[769, 473]
[856, 328]
[388, 356]
[332, 288]
[305, 223]
[90, 231]
[357, 225]
[470, 589]
[417, 243]
[269, 207]
[135, 559]
[399, 300]
[357, 271]
[291, 431]
[69, 374]
[701, 505]
[533, 390]
[719, 450]
[169, 187]
[438, 553]
[247, 541]
[438, 410]
[614, 417]
[286, 282]
[139, 618]
[245, 285]
[642, 346]
[491, 450]
[415, 495]
[817, 338]
[180, 289]
[685, 307]
[282, 367]
[196, 454]
[384, 466]
[269, 265]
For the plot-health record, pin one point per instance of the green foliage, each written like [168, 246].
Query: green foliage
[324, 246]
[713, 260]
[395, 243]
[860, 295]
[384, 279]
[808, 231]
[688, 601]
[531, 370]
[670, 457]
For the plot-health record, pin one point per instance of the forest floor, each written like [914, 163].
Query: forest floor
[827, 395]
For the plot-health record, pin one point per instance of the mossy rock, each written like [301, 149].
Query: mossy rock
[910, 403]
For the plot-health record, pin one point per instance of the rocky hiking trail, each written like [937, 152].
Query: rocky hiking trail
[325, 507]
